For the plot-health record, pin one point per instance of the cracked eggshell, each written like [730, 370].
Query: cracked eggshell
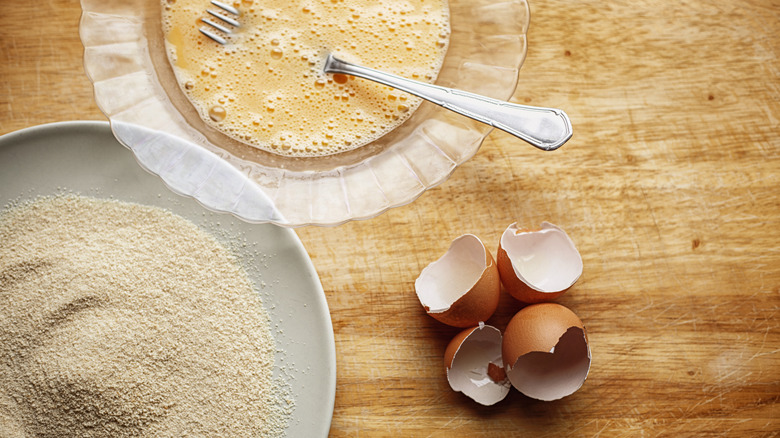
[474, 365]
[461, 288]
[537, 265]
[545, 351]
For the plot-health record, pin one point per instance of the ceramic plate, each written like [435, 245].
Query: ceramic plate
[84, 158]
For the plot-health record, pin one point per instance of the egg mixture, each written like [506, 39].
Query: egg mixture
[266, 87]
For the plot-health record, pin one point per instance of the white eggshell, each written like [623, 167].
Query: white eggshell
[538, 265]
[474, 363]
[462, 288]
[545, 351]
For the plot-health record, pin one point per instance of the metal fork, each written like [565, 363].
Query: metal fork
[227, 17]
[545, 128]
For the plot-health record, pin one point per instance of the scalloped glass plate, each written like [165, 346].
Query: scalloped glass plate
[124, 57]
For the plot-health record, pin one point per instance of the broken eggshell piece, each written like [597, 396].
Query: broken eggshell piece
[474, 365]
[545, 351]
[537, 265]
[462, 288]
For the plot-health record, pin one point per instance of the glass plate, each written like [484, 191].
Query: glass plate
[83, 157]
[124, 57]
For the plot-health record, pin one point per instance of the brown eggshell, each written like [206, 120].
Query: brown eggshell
[454, 345]
[461, 288]
[545, 351]
[474, 365]
[537, 265]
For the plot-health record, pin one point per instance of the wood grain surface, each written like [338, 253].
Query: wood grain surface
[669, 187]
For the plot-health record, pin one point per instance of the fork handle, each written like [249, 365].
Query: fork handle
[546, 128]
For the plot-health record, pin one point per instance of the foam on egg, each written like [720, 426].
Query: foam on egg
[266, 87]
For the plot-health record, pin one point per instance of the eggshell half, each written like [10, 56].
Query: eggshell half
[461, 288]
[545, 351]
[537, 265]
[475, 367]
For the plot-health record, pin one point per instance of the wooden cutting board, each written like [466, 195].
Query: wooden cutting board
[669, 188]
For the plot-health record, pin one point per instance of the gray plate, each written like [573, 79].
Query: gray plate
[84, 158]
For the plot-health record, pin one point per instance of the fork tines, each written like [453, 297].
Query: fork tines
[218, 25]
